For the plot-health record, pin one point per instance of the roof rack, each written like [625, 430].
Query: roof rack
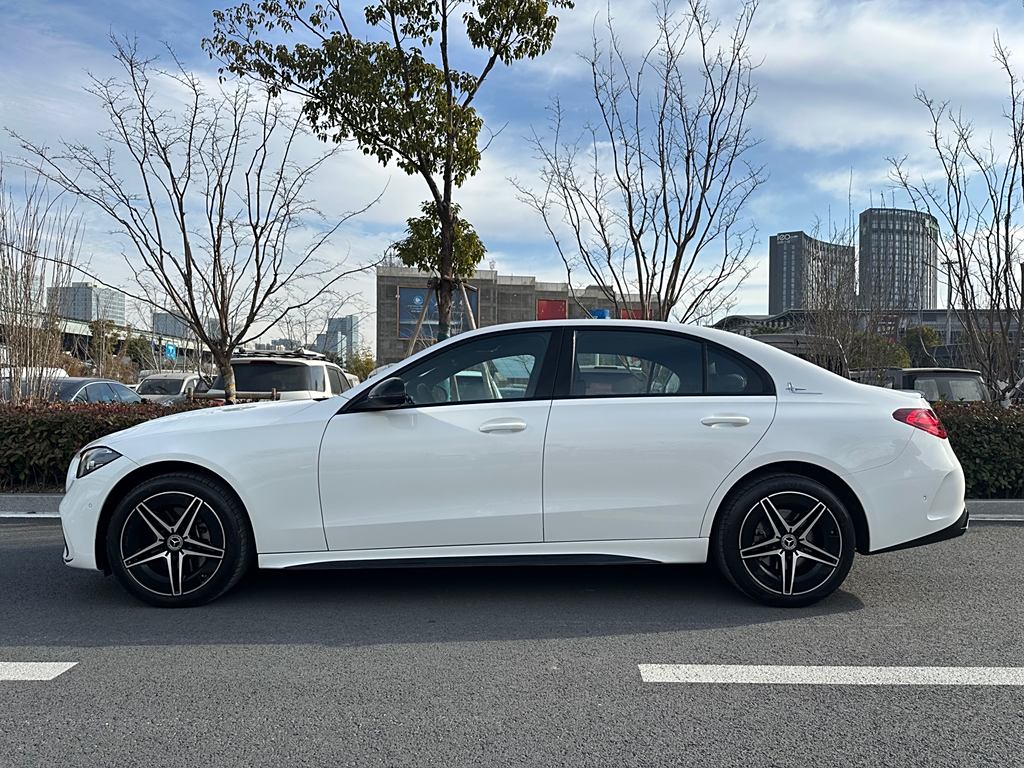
[305, 354]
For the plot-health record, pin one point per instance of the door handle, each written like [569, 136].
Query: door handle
[725, 421]
[503, 425]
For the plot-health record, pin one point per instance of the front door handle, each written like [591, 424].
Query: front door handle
[725, 421]
[503, 425]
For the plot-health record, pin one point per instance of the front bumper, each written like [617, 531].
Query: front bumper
[958, 528]
[80, 511]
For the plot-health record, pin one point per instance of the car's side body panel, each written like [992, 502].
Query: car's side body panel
[276, 481]
[642, 467]
[431, 476]
[655, 550]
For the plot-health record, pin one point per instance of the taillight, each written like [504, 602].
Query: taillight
[922, 418]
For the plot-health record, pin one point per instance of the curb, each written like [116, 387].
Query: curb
[46, 505]
[996, 510]
[38, 505]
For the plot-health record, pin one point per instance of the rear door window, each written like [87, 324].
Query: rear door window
[338, 383]
[100, 393]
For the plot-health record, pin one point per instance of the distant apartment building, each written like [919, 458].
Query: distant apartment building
[898, 259]
[804, 272]
[171, 324]
[88, 302]
[402, 292]
[341, 337]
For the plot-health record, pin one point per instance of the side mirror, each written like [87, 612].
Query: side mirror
[389, 393]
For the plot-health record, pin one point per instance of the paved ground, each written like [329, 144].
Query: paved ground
[516, 667]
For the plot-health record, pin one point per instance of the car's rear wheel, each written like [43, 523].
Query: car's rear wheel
[178, 540]
[785, 540]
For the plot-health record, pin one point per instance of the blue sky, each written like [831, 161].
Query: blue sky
[836, 98]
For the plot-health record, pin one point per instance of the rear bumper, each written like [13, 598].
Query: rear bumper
[958, 528]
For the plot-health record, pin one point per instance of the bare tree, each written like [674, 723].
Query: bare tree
[977, 200]
[307, 322]
[209, 197]
[648, 200]
[39, 244]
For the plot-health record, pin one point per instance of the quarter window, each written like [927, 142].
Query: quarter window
[728, 374]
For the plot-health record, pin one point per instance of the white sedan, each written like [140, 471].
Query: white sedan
[568, 442]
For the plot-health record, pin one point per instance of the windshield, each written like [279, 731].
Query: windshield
[154, 386]
[962, 387]
[264, 376]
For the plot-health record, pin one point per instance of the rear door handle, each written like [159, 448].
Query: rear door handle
[503, 425]
[725, 421]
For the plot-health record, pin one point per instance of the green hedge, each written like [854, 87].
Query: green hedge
[989, 441]
[37, 442]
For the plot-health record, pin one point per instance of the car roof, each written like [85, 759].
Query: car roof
[69, 380]
[939, 370]
[171, 375]
[281, 361]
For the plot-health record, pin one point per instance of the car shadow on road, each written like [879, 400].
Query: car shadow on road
[46, 603]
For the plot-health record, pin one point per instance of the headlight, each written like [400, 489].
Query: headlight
[94, 458]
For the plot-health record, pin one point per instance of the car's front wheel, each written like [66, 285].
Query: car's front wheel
[785, 540]
[178, 540]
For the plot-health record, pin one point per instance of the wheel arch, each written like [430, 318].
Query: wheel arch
[826, 477]
[142, 474]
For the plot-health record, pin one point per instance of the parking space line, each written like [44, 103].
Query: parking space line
[33, 670]
[743, 674]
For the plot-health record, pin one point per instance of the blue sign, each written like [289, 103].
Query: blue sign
[601, 314]
[410, 307]
[171, 351]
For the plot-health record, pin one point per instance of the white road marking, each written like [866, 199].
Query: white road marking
[717, 674]
[33, 670]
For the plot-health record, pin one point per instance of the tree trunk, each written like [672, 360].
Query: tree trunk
[446, 284]
[228, 374]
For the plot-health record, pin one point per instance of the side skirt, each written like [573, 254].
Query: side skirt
[539, 553]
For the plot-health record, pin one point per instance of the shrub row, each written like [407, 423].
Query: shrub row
[37, 442]
[989, 441]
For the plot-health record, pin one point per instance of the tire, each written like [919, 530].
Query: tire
[785, 540]
[179, 540]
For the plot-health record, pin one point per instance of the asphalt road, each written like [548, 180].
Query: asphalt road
[508, 666]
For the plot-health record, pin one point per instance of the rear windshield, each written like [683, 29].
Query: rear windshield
[935, 387]
[284, 377]
[160, 387]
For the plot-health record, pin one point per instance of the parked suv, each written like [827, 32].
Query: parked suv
[936, 384]
[298, 375]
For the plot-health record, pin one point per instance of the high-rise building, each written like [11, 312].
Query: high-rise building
[801, 267]
[341, 337]
[88, 302]
[898, 259]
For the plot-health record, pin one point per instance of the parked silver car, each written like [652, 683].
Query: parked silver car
[172, 387]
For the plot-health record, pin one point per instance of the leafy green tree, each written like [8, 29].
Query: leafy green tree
[869, 350]
[919, 342]
[361, 362]
[420, 248]
[395, 89]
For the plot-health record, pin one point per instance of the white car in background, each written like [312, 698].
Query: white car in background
[596, 441]
[296, 375]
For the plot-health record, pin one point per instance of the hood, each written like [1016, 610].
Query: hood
[243, 415]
